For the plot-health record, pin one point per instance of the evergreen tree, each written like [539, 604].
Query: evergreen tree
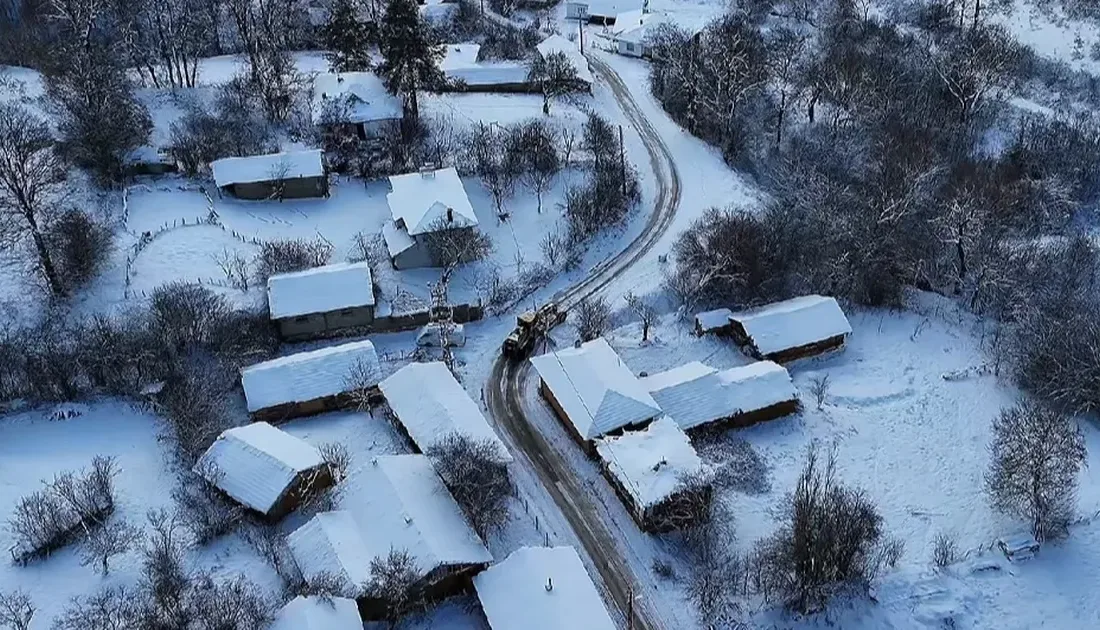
[410, 55]
[347, 38]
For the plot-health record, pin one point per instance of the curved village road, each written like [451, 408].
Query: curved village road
[504, 392]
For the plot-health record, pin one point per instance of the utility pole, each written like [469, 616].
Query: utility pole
[630, 608]
[580, 28]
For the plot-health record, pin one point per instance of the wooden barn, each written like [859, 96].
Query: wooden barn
[264, 469]
[699, 397]
[308, 383]
[647, 469]
[327, 299]
[593, 392]
[793, 329]
[394, 502]
[289, 175]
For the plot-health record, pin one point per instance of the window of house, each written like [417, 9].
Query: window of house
[302, 319]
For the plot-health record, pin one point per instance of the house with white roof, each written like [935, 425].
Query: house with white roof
[592, 391]
[603, 12]
[793, 329]
[429, 404]
[396, 502]
[308, 383]
[321, 300]
[264, 469]
[696, 395]
[541, 588]
[557, 44]
[357, 101]
[288, 175]
[633, 28]
[657, 474]
[466, 74]
[318, 613]
[431, 200]
[716, 322]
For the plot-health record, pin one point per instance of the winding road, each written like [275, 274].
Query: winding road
[504, 391]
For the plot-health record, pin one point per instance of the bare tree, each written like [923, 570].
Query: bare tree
[554, 246]
[361, 384]
[542, 162]
[555, 76]
[449, 246]
[1036, 455]
[975, 64]
[165, 580]
[592, 317]
[236, 268]
[476, 474]
[113, 608]
[819, 388]
[831, 538]
[200, 508]
[286, 255]
[31, 178]
[107, 541]
[716, 576]
[234, 604]
[495, 156]
[393, 582]
[644, 310]
[16, 610]
[270, 542]
[338, 458]
[568, 138]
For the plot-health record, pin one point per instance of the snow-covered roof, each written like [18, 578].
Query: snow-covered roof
[357, 96]
[595, 389]
[320, 290]
[393, 502]
[676, 376]
[610, 8]
[793, 323]
[421, 201]
[651, 462]
[460, 62]
[713, 320]
[147, 155]
[556, 43]
[267, 168]
[397, 239]
[315, 613]
[306, 376]
[541, 588]
[711, 396]
[429, 334]
[430, 404]
[257, 463]
[331, 543]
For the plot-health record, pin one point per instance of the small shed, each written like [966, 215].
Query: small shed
[264, 469]
[308, 383]
[592, 391]
[321, 300]
[149, 160]
[289, 175]
[429, 404]
[793, 329]
[697, 396]
[318, 613]
[394, 502]
[646, 469]
[716, 322]
[461, 66]
[541, 588]
[1019, 546]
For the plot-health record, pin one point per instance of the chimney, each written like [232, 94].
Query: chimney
[428, 171]
[408, 519]
[549, 584]
[658, 465]
[450, 215]
[577, 343]
[643, 374]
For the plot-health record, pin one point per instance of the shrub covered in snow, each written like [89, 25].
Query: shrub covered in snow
[284, 256]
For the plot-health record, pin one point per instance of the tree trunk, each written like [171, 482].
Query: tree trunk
[44, 258]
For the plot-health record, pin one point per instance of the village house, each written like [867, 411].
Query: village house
[658, 475]
[697, 396]
[466, 74]
[264, 469]
[793, 329]
[289, 175]
[716, 322]
[355, 102]
[318, 613]
[395, 502]
[558, 44]
[309, 383]
[633, 29]
[592, 391]
[148, 160]
[321, 300]
[429, 404]
[602, 12]
[541, 588]
[422, 203]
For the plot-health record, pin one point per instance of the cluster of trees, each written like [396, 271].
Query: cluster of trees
[611, 189]
[476, 474]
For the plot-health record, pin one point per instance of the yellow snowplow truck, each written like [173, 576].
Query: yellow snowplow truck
[530, 327]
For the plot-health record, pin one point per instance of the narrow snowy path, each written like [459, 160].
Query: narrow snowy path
[505, 387]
